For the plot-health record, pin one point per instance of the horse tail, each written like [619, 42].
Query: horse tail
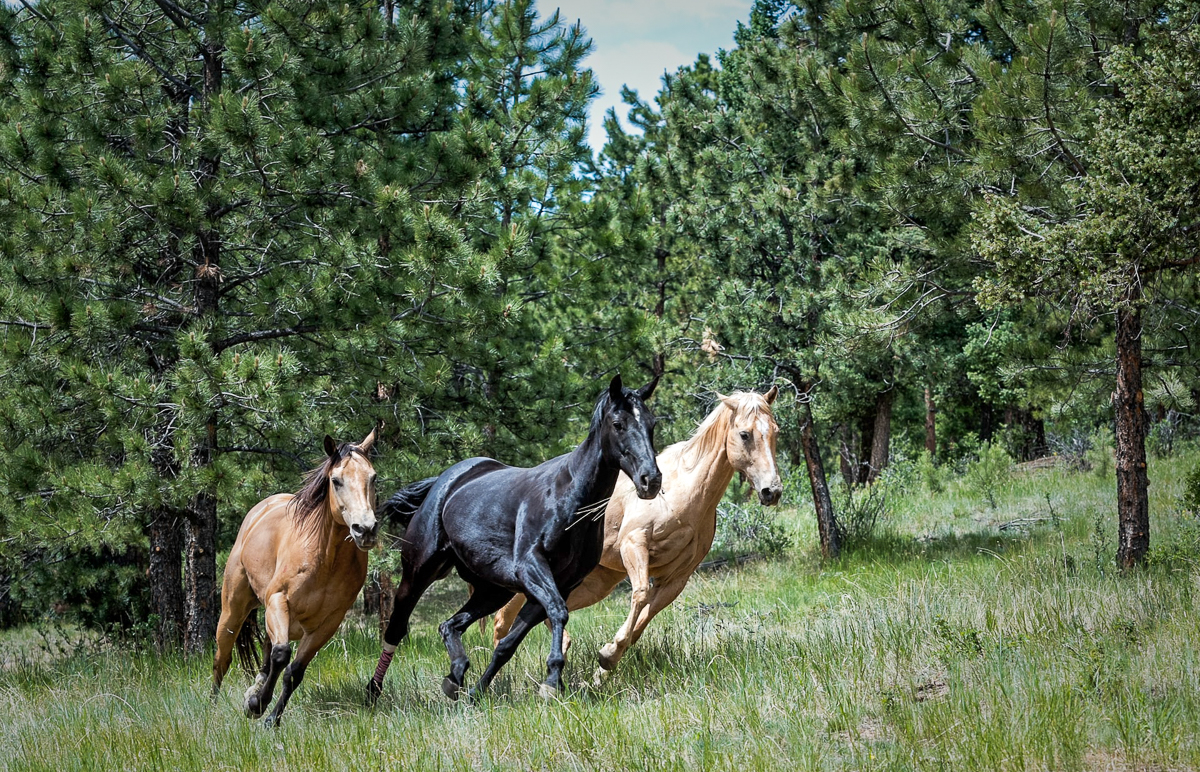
[249, 644]
[404, 503]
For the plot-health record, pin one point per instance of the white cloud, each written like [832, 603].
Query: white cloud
[635, 41]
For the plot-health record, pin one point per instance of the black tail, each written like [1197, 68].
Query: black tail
[249, 644]
[404, 503]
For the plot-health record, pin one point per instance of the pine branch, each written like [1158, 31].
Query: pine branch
[252, 337]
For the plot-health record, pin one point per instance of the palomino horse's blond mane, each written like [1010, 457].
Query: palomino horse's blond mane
[710, 434]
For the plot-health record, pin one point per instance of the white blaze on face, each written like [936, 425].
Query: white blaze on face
[637, 414]
[764, 430]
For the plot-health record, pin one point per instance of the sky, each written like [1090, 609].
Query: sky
[635, 41]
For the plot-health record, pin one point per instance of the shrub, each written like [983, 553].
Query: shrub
[860, 510]
[931, 475]
[748, 530]
[1100, 455]
[1191, 492]
[989, 471]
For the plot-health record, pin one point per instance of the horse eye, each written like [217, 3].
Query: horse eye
[746, 436]
[337, 483]
[618, 425]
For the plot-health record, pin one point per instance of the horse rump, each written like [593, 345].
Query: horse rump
[249, 644]
[404, 503]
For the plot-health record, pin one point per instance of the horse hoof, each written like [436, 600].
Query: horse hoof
[374, 690]
[451, 688]
[252, 707]
[601, 675]
[271, 722]
[548, 693]
[607, 656]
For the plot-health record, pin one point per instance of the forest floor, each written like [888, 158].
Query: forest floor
[965, 636]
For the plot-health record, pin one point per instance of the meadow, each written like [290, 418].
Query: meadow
[962, 636]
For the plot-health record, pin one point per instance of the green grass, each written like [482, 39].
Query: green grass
[945, 643]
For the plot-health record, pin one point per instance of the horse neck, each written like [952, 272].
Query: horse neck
[329, 538]
[591, 478]
[701, 482]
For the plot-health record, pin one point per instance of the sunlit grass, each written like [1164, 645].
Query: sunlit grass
[945, 643]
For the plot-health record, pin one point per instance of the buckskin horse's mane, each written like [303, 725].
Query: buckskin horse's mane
[710, 434]
[308, 504]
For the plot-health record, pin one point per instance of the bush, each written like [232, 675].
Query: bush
[989, 471]
[931, 475]
[1191, 492]
[1100, 453]
[748, 530]
[860, 510]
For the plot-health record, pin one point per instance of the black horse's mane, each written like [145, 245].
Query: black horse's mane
[306, 507]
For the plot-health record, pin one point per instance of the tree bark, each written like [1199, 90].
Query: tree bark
[866, 441]
[930, 423]
[881, 436]
[827, 527]
[1133, 506]
[387, 595]
[203, 604]
[202, 601]
[165, 572]
[847, 461]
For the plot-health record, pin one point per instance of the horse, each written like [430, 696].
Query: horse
[506, 530]
[303, 557]
[659, 543]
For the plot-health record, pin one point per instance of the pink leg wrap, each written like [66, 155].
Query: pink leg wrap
[385, 660]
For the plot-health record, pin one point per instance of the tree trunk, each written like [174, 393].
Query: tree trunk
[203, 604]
[866, 441]
[387, 595]
[1133, 507]
[164, 574]
[987, 422]
[930, 423]
[881, 436]
[826, 521]
[847, 462]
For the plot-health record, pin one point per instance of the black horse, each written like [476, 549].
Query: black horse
[508, 530]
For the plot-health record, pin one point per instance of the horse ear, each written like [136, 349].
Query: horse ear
[365, 446]
[646, 391]
[615, 389]
[729, 402]
[330, 447]
[771, 395]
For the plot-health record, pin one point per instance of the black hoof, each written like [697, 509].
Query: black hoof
[271, 722]
[451, 688]
[374, 690]
[254, 708]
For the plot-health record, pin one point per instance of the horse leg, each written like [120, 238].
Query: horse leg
[483, 601]
[415, 580]
[258, 696]
[505, 618]
[531, 615]
[635, 555]
[237, 600]
[308, 647]
[661, 596]
[540, 585]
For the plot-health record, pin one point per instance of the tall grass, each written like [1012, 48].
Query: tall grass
[962, 636]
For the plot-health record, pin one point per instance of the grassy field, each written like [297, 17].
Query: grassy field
[948, 643]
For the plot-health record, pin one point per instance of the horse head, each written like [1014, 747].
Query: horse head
[626, 429]
[351, 494]
[750, 441]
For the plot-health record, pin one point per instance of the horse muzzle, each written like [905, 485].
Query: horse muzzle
[647, 486]
[770, 495]
[365, 537]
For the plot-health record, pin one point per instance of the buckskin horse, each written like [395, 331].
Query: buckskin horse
[659, 543]
[507, 530]
[304, 557]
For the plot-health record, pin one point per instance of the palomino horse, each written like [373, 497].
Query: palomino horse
[508, 530]
[659, 543]
[294, 555]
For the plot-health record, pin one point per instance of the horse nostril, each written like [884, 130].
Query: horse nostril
[357, 529]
